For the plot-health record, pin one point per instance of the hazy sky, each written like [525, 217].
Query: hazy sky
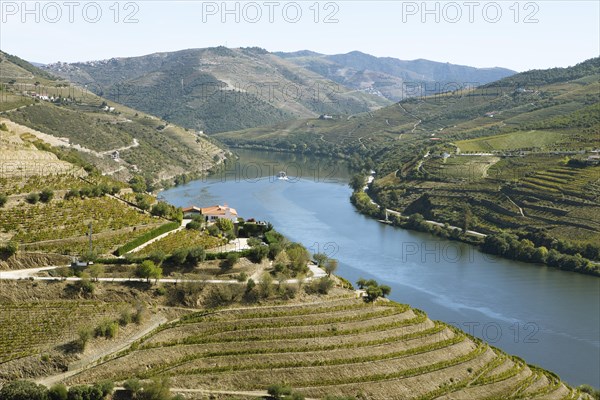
[517, 35]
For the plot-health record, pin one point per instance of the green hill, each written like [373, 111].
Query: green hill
[63, 114]
[508, 156]
[217, 89]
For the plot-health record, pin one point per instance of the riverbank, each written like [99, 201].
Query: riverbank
[510, 246]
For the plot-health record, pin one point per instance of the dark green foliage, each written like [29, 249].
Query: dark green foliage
[84, 392]
[46, 195]
[232, 259]
[319, 286]
[32, 198]
[23, 390]
[258, 253]
[279, 390]
[58, 392]
[374, 290]
[508, 245]
[194, 225]
[553, 75]
[10, 249]
[196, 255]
[3, 199]
[179, 256]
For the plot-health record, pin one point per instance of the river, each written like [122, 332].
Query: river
[549, 317]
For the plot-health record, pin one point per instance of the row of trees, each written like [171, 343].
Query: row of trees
[373, 289]
[158, 388]
[26, 390]
[508, 245]
[91, 191]
[45, 196]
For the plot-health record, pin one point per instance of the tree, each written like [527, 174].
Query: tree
[357, 182]
[179, 256]
[84, 335]
[265, 285]
[385, 290]
[299, 257]
[157, 256]
[232, 259]
[258, 253]
[147, 269]
[160, 209]
[58, 392]
[331, 266]
[138, 184]
[46, 195]
[196, 255]
[23, 390]
[224, 225]
[374, 292]
[361, 282]
[320, 258]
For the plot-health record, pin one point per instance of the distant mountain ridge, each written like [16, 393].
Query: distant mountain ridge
[393, 78]
[221, 89]
[218, 89]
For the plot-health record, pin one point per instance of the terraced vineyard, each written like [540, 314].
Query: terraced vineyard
[341, 346]
[183, 239]
[27, 328]
[33, 223]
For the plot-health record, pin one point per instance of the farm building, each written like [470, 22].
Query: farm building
[212, 213]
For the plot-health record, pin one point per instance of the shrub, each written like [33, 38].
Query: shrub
[10, 249]
[319, 286]
[232, 259]
[84, 335]
[23, 390]
[46, 195]
[106, 387]
[107, 329]
[125, 317]
[3, 199]
[194, 225]
[58, 392]
[32, 198]
[140, 313]
[83, 392]
[279, 390]
[132, 385]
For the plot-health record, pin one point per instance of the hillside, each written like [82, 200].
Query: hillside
[508, 156]
[118, 140]
[323, 345]
[217, 89]
[393, 78]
